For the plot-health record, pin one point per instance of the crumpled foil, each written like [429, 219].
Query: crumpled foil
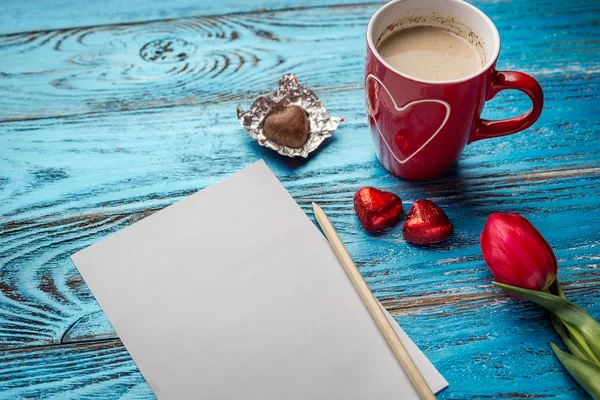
[290, 92]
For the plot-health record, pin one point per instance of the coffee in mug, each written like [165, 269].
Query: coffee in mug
[430, 68]
[432, 53]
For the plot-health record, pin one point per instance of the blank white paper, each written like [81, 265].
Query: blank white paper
[233, 293]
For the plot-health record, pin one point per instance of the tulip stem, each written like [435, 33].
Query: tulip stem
[572, 316]
[584, 372]
[560, 328]
[556, 290]
[572, 338]
[581, 344]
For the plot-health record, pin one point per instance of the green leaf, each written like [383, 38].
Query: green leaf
[574, 341]
[560, 328]
[584, 372]
[570, 314]
[556, 290]
[581, 343]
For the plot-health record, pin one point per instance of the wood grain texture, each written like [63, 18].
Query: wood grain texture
[197, 61]
[100, 370]
[32, 15]
[96, 180]
[94, 153]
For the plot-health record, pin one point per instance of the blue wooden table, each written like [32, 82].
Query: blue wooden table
[110, 111]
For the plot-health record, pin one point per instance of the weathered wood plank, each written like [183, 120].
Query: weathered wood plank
[492, 364]
[101, 370]
[67, 182]
[31, 15]
[211, 59]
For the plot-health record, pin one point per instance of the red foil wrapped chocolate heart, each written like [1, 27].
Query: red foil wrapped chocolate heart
[426, 223]
[376, 209]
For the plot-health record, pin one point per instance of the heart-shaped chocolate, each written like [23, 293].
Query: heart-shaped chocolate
[426, 223]
[288, 126]
[376, 209]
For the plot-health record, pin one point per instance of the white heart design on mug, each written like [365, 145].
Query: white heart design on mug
[407, 105]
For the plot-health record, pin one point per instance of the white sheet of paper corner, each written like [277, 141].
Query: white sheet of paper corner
[434, 379]
[218, 297]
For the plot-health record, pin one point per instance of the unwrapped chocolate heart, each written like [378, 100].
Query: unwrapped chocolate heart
[376, 209]
[287, 126]
[426, 223]
[292, 121]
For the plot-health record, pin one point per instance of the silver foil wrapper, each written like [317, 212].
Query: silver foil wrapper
[290, 92]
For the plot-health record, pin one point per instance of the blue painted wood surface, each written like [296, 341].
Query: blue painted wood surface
[94, 137]
[33, 15]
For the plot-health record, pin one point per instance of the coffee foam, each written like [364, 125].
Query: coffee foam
[432, 18]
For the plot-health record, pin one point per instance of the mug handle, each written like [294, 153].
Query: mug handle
[503, 80]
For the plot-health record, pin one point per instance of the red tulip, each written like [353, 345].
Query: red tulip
[516, 253]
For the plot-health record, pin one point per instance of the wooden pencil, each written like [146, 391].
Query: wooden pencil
[372, 305]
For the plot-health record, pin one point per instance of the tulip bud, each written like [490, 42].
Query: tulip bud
[516, 253]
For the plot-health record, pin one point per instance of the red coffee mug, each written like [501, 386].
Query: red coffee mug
[420, 127]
